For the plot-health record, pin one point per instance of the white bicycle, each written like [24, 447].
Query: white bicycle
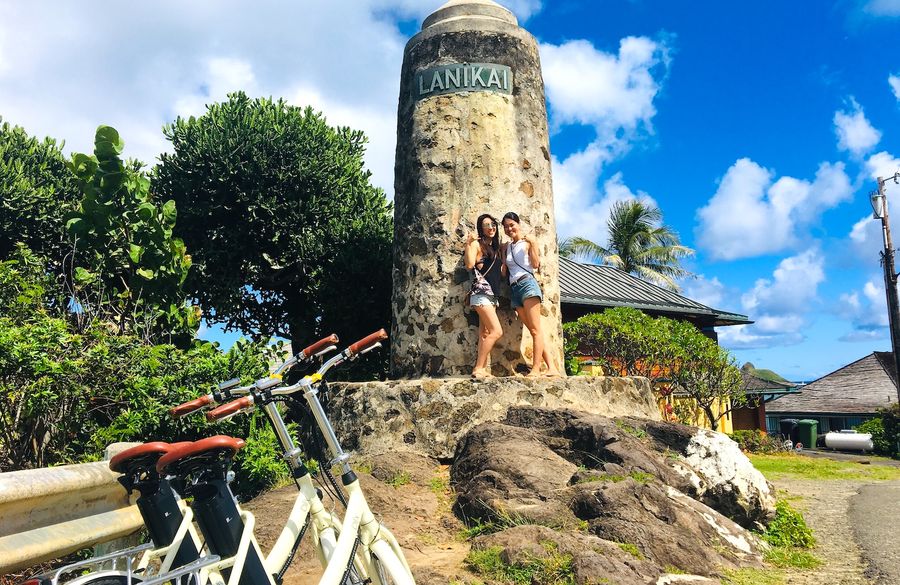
[363, 544]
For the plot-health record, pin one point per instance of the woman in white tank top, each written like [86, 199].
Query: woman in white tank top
[520, 259]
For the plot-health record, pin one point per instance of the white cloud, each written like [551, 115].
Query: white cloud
[749, 215]
[866, 310]
[792, 288]
[894, 82]
[613, 94]
[882, 164]
[582, 209]
[66, 69]
[855, 133]
[706, 291]
[779, 305]
[865, 235]
[223, 76]
[746, 337]
[883, 7]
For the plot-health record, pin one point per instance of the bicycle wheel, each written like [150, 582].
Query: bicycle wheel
[107, 578]
[387, 568]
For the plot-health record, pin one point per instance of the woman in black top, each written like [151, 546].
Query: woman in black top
[482, 256]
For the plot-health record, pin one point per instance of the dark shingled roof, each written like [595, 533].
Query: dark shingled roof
[858, 388]
[606, 286]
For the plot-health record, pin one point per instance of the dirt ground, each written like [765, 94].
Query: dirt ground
[413, 501]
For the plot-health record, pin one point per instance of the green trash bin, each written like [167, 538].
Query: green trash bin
[806, 432]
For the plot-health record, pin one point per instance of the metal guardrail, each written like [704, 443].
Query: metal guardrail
[51, 512]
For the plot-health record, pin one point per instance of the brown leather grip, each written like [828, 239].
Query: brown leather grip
[319, 346]
[229, 408]
[367, 342]
[190, 406]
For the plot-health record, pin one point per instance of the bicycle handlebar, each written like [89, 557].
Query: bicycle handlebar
[366, 343]
[230, 409]
[190, 406]
[319, 346]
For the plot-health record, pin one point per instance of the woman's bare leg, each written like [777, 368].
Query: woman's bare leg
[530, 315]
[488, 334]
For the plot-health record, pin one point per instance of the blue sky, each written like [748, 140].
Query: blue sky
[757, 127]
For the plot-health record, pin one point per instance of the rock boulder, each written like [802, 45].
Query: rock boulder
[611, 480]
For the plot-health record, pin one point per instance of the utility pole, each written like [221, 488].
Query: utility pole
[880, 207]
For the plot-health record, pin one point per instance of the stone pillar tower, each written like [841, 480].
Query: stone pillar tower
[471, 138]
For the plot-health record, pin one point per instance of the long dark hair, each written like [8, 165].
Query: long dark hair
[495, 241]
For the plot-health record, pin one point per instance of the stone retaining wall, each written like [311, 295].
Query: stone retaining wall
[429, 416]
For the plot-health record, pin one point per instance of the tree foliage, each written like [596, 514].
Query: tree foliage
[638, 244]
[674, 355]
[37, 190]
[288, 235]
[129, 266]
[66, 393]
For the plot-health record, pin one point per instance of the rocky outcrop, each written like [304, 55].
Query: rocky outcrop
[710, 466]
[429, 416]
[720, 474]
[622, 481]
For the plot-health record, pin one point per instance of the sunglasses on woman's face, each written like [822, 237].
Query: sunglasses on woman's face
[489, 226]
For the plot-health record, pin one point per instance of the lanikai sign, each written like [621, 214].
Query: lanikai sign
[462, 77]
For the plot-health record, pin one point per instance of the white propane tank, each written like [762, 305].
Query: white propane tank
[849, 441]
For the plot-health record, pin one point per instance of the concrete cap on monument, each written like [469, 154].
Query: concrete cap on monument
[466, 9]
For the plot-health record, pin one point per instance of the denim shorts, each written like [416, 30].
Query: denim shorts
[483, 301]
[525, 289]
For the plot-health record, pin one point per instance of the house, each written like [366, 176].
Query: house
[591, 288]
[842, 399]
[762, 386]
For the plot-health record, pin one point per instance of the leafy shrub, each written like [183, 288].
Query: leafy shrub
[627, 342]
[875, 427]
[38, 191]
[788, 528]
[890, 418]
[66, 394]
[754, 441]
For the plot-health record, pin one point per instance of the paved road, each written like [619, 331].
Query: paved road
[875, 516]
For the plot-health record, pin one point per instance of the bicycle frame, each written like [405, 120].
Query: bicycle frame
[375, 539]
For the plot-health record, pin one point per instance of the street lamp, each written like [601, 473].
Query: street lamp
[880, 211]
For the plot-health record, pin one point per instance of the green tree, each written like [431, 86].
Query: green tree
[129, 268]
[638, 244]
[67, 392]
[673, 354]
[287, 233]
[37, 190]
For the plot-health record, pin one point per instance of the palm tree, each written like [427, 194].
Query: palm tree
[638, 244]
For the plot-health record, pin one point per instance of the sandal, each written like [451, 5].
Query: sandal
[481, 373]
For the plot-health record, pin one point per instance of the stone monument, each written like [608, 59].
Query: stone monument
[471, 138]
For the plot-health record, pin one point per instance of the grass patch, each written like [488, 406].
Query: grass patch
[364, 467]
[803, 467]
[638, 476]
[401, 478]
[553, 569]
[753, 577]
[506, 520]
[439, 486]
[788, 528]
[790, 539]
[634, 431]
[631, 549]
[674, 570]
[789, 556]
